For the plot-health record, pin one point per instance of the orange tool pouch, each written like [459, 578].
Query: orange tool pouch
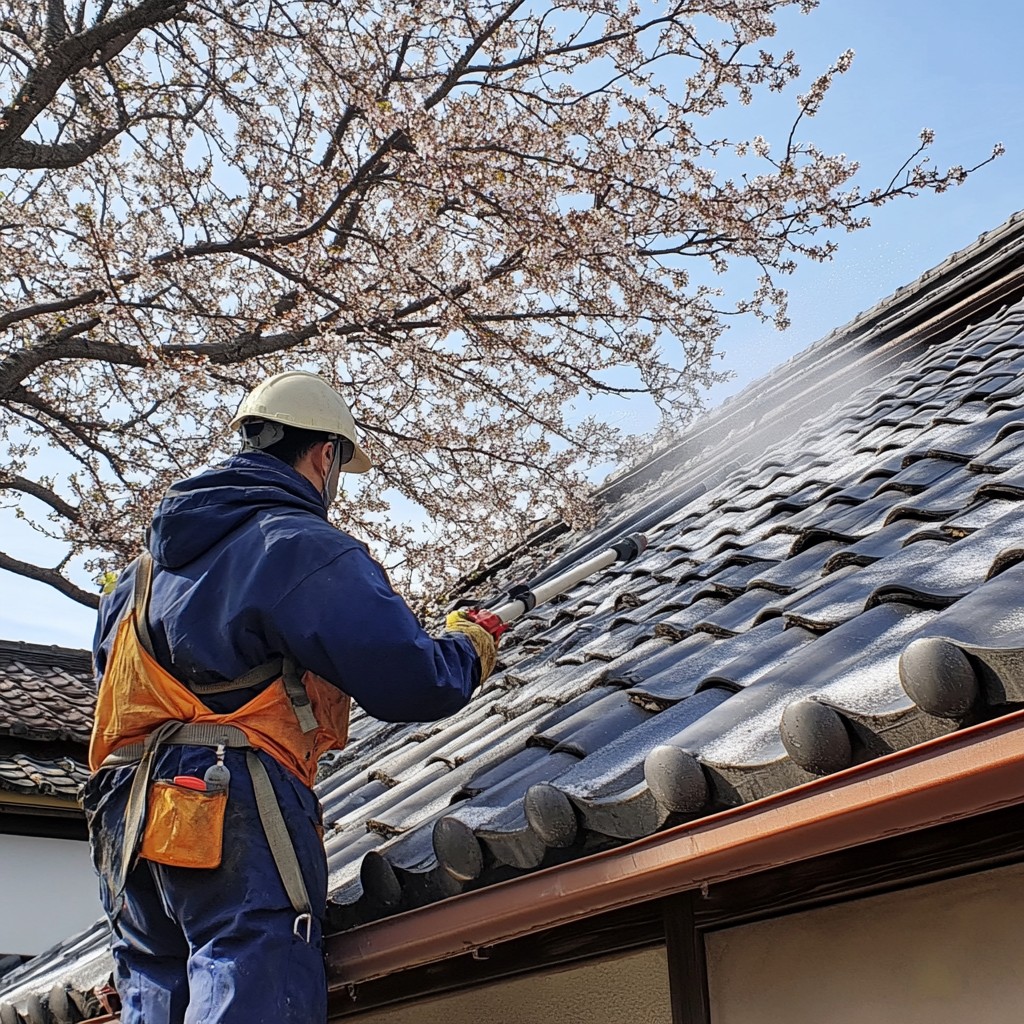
[184, 827]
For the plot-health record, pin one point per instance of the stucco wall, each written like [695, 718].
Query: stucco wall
[631, 989]
[48, 891]
[945, 953]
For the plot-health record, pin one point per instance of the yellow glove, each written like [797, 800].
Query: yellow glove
[485, 644]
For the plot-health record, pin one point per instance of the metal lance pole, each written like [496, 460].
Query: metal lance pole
[522, 599]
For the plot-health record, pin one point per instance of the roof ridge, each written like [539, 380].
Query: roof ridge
[890, 319]
[77, 659]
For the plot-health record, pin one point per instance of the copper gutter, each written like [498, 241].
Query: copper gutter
[956, 776]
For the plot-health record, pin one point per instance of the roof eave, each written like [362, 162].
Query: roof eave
[39, 803]
[957, 776]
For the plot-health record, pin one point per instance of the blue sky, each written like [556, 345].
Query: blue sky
[944, 65]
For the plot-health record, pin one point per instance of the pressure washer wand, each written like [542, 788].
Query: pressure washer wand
[522, 599]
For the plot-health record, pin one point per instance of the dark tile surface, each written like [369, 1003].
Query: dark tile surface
[46, 693]
[759, 644]
[59, 776]
[817, 548]
[46, 702]
[754, 646]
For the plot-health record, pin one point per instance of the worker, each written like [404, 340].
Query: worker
[226, 656]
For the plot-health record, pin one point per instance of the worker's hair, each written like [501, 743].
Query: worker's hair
[295, 443]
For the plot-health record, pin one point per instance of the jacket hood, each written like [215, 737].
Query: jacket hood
[198, 513]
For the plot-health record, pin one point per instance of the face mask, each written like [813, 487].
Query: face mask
[330, 489]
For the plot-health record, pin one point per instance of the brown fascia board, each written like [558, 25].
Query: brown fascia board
[957, 776]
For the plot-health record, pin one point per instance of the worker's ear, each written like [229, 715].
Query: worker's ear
[322, 454]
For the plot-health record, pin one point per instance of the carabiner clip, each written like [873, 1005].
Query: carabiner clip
[308, 918]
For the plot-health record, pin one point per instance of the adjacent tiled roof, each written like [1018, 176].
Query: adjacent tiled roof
[46, 702]
[58, 776]
[867, 494]
[46, 693]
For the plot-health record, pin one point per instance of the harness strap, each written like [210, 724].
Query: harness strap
[298, 696]
[194, 734]
[278, 837]
[254, 677]
[264, 673]
[208, 734]
[140, 598]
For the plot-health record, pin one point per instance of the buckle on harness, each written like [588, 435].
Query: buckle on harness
[308, 918]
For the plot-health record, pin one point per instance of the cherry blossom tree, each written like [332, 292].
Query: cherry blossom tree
[465, 213]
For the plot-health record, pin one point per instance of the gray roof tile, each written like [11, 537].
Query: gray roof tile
[60, 776]
[46, 693]
[730, 662]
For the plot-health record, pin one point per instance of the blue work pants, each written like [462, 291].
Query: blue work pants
[214, 946]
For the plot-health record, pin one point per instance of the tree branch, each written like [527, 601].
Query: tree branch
[64, 344]
[41, 308]
[96, 46]
[52, 577]
[44, 494]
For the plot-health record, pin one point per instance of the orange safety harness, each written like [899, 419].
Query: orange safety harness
[142, 707]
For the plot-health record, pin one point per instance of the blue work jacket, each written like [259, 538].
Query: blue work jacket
[247, 568]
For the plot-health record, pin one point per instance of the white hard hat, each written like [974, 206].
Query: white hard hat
[300, 399]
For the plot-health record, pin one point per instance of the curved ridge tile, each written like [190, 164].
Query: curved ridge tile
[869, 698]
[856, 588]
[977, 517]
[405, 873]
[665, 659]
[648, 651]
[422, 746]
[1009, 484]
[1000, 456]
[732, 663]
[987, 627]
[741, 614]
[561, 686]
[609, 790]
[887, 541]
[966, 443]
[492, 825]
[965, 564]
[615, 643]
[596, 725]
[348, 901]
[431, 790]
[853, 668]
[919, 476]
[955, 493]
[59, 776]
[681, 624]
[852, 524]
[360, 814]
